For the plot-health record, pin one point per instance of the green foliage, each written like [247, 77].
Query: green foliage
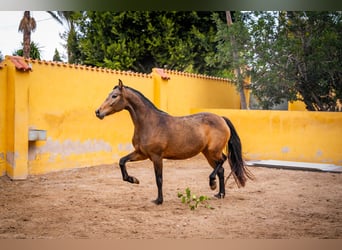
[70, 36]
[231, 41]
[222, 60]
[1, 56]
[56, 57]
[141, 40]
[35, 51]
[289, 53]
[268, 61]
[314, 43]
[193, 201]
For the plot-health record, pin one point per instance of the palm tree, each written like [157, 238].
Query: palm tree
[26, 26]
[70, 34]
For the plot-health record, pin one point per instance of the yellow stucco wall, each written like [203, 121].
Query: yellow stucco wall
[62, 99]
[296, 106]
[14, 144]
[284, 135]
[3, 107]
[184, 91]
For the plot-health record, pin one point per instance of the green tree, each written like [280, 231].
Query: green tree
[35, 51]
[26, 26]
[56, 57]
[266, 56]
[70, 35]
[1, 56]
[300, 54]
[141, 40]
[230, 59]
[314, 44]
[293, 56]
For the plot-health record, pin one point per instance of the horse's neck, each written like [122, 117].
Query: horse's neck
[140, 111]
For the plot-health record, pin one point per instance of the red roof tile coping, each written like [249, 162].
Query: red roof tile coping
[23, 64]
[162, 73]
[91, 68]
[20, 63]
[175, 72]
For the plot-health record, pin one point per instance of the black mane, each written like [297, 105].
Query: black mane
[145, 99]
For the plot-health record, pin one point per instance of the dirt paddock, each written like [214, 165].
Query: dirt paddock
[95, 203]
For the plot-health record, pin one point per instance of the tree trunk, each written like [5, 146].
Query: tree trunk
[27, 36]
[237, 69]
[27, 43]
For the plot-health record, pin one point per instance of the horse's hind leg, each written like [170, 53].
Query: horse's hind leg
[220, 174]
[219, 171]
[134, 156]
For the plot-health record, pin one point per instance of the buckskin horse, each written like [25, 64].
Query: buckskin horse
[158, 136]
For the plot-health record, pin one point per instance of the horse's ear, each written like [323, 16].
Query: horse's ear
[120, 84]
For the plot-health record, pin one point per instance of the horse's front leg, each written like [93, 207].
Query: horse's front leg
[134, 156]
[158, 170]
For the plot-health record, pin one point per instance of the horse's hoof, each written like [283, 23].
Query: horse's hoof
[212, 185]
[135, 180]
[132, 179]
[158, 201]
[219, 195]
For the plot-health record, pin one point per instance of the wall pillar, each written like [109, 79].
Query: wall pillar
[160, 80]
[3, 117]
[16, 120]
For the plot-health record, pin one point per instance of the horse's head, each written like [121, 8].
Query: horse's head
[115, 102]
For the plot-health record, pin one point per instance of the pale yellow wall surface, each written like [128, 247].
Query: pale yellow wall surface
[63, 102]
[3, 107]
[296, 106]
[185, 91]
[62, 99]
[14, 135]
[291, 136]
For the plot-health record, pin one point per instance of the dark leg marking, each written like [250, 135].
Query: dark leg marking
[219, 171]
[158, 170]
[134, 156]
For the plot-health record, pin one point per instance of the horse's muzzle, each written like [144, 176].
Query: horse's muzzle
[99, 115]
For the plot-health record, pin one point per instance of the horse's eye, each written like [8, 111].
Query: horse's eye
[114, 96]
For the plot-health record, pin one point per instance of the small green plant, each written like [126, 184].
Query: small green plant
[193, 200]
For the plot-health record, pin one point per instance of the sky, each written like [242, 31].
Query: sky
[46, 35]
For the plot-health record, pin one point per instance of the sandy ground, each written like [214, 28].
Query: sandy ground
[95, 203]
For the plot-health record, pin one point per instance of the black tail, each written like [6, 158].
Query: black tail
[237, 164]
